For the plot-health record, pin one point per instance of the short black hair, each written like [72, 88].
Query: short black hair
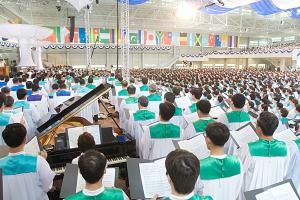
[14, 134]
[183, 169]
[166, 111]
[82, 81]
[55, 86]
[124, 83]
[143, 101]
[92, 165]
[5, 90]
[15, 80]
[176, 90]
[145, 80]
[35, 87]
[268, 122]
[131, 89]
[63, 86]
[2, 99]
[29, 85]
[218, 133]
[298, 108]
[238, 100]
[170, 97]
[90, 79]
[279, 105]
[204, 106]
[21, 93]
[196, 92]
[9, 101]
[284, 112]
[85, 142]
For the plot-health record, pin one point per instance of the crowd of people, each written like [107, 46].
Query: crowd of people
[158, 107]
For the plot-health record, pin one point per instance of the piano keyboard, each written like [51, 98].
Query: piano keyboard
[111, 161]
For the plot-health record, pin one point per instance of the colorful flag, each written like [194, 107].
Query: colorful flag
[159, 37]
[197, 39]
[167, 38]
[112, 36]
[190, 40]
[81, 34]
[224, 40]
[218, 41]
[237, 41]
[176, 39]
[233, 41]
[149, 38]
[94, 34]
[55, 36]
[104, 36]
[211, 40]
[205, 40]
[183, 39]
[135, 37]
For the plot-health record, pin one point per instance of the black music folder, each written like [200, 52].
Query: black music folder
[289, 191]
[71, 179]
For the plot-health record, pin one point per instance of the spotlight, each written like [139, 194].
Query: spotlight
[58, 8]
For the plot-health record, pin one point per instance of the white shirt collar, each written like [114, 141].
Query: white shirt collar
[174, 197]
[93, 192]
[219, 157]
[16, 154]
[205, 118]
[161, 122]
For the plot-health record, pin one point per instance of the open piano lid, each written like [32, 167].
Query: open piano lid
[69, 111]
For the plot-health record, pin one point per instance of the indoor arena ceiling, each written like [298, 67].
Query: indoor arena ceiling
[159, 15]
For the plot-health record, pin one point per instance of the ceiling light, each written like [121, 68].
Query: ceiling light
[186, 10]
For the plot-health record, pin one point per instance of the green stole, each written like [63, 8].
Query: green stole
[131, 100]
[143, 115]
[123, 93]
[154, 97]
[193, 108]
[237, 116]
[265, 148]
[107, 194]
[144, 88]
[161, 131]
[214, 168]
[178, 111]
[298, 143]
[195, 197]
[201, 124]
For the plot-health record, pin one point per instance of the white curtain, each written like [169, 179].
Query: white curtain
[286, 4]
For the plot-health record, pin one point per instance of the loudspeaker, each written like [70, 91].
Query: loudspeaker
[72, 27]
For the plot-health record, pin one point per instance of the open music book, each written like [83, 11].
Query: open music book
[147, 178]
[74, 133]
[73, 182]
[195, 145]
[183, 102]
[216, 111]
[280, 191]
[287, 136]
[244, 135]
[32, 147]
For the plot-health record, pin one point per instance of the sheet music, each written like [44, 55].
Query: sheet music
[287, 136]
[108, 179]
[195, 145]
[154, 179]
[183, 102]
[73, 134]
[281, 192]
[95, 131]
[244, 136]
[216, 111]
[190, 118]
[32, 147]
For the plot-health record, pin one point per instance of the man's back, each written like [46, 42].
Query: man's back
[104, 194]
[25, 177]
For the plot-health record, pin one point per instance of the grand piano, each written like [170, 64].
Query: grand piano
[53, 137]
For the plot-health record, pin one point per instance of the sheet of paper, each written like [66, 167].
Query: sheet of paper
[32, 147]
[216, 111]
[244, 136]
[183, 102]
[73, 134]
[108, 179]
[281, 192]
[190, 118]
[195, 145]
[154, 179]
[286, 136]
[95, 131]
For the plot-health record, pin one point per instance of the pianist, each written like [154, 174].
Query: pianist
[25, 177]
[85, 142]
[92, 166]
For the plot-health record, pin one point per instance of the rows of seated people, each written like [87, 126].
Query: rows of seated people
[30, 98]
[150, 112]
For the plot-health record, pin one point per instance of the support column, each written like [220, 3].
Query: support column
[142, 60]
[68, 58]
[282, 65]
[107, 59]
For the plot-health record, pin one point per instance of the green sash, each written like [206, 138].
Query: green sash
[144, 88]
[213, 168]
[131, 100]
[154, 97]
[195, 197]
[123, 93]
[160, 131]
[107, 194]
[193, 108]
[265, 148]
[298, 143]
[178, 111]
[20, 164]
